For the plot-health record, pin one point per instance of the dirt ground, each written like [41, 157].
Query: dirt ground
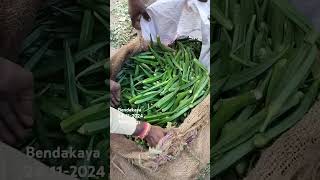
[120, 24]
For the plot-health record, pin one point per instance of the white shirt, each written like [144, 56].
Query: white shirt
[121, 123]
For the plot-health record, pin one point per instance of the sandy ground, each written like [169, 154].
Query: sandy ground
[120, 24]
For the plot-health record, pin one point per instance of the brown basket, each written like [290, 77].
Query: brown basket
[173, 158]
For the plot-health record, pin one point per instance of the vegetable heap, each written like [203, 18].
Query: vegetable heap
[66, 51]
[164, 83]
[265, 78]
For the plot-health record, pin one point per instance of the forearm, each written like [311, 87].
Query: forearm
[126, 125]
[122, 123]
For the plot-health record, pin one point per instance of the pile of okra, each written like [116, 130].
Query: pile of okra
[265, 78]
[164, 83]
[66, 52]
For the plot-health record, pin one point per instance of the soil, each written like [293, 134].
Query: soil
[120, 24]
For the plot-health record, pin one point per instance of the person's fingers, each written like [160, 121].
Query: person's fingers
[117, 95]
[165, 131]
[113, 100]
[115, 91]
[145, 15]
[135, 20]
[137, 26]
[118, 98]
[11, 120]
[23, 108]
[154, 142]
[25, 120]
[5, 135]
[27, 85]
[117, 103]
[13, 77]
[135, 23]
[150, 142]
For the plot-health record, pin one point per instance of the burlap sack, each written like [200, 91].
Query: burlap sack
[184, 151]
[134, 46]
[16, 21]
[295, 155]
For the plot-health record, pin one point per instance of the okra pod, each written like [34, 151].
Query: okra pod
[152, 79]
[142, 96]
[165, 99]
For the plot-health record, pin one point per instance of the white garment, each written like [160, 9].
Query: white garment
[121, 123]
[171, 19]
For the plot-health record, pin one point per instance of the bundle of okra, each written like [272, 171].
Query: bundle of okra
[66, 51]
[265, 78]
[164, 83]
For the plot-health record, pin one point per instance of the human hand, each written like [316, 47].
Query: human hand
[155, 134]
[16, 22]
[136, 10]
[16, 96]
[115, 90]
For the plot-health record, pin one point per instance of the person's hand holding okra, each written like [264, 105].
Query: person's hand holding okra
[152, 134]
[16, 96]
[121, 123]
